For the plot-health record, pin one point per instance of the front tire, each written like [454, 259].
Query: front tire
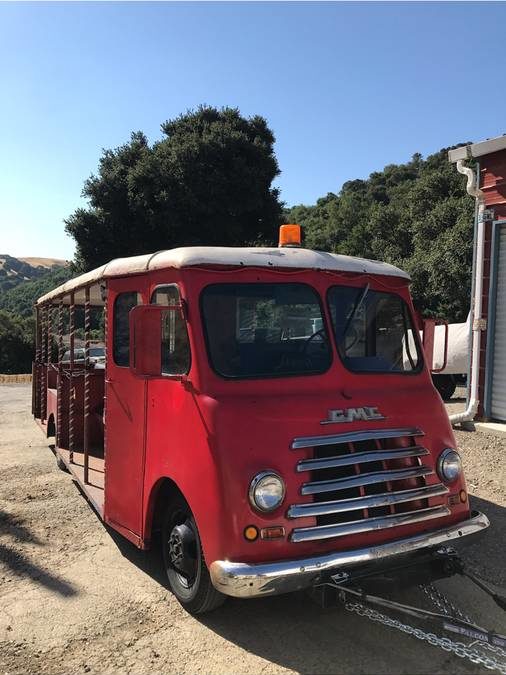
[187, 573]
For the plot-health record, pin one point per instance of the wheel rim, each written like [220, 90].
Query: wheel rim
[182, 550]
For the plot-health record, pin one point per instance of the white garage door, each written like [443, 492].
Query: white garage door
[498, 397]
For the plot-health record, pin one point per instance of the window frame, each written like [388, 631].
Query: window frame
[233, 378]
[183, 316]
[139, 302]
[421, 356]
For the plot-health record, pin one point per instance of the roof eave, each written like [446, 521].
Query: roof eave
[477, 149]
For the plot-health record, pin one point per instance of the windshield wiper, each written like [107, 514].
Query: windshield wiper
[358, 304]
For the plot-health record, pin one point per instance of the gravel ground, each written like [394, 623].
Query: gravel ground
[483, 455]
[76, 598]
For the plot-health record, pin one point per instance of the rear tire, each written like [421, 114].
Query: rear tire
[187, 573]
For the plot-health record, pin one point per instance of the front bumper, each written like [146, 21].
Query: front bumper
[242, 580]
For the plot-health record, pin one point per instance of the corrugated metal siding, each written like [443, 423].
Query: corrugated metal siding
[498, 395]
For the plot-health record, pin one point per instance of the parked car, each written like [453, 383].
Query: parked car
[97, 355]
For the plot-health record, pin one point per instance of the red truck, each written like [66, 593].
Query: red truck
[267, 410]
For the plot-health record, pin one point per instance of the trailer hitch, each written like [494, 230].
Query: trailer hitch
[452, 624]
[352, 588]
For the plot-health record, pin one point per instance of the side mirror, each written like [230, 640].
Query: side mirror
[146, 340]
[435, 343]
[146, 337]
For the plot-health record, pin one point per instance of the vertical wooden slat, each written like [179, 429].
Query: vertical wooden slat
[34, 387]
[37, 372]
[87, 325]
[50, 317]
[59, 381]
[106, 352]
[71, 375]
[44, 365]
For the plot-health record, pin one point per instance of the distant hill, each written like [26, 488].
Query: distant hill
[47, 263]
[23, 280]
[14, 271]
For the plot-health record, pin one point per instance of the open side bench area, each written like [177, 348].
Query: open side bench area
[68, 383]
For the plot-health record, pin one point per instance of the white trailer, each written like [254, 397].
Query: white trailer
[457, 360]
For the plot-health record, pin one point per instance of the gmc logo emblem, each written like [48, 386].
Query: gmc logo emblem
[367, 414]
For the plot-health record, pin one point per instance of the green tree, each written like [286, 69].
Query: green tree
[16, 343]
[208, 181]
[415, 215]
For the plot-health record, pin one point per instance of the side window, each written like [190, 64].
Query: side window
[123, 303]
[175, 344]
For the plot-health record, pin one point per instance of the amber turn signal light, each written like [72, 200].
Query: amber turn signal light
[463, 496]
[275, 532]
[251, 533]
[290, 236]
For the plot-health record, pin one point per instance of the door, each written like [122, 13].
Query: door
[125, 413]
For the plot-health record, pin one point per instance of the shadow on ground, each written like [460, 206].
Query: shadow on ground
[14, 529]
[296, 633]
[485, 554]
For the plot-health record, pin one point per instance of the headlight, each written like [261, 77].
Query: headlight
[449, 465]
[266, 491]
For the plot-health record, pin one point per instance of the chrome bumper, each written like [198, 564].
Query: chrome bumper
[242, 580]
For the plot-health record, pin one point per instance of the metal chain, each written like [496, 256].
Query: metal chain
[447, 607]
[457, 648]
[443, 603]
[493, 648]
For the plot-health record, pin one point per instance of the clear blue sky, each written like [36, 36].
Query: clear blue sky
[346, 88]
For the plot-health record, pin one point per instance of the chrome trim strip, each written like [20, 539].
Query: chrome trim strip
[353, 437]
[372, 478]
[313, 509]
[367, 524]
[243, 580]
[360, 458]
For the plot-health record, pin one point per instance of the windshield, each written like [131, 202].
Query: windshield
[373, 330]
[258, 330]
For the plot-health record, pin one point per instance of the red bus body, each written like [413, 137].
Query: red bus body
[208, 436]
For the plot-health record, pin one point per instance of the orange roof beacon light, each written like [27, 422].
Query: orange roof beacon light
[290, 236]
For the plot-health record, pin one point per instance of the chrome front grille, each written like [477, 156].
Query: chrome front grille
[361, 503]
[363, 481]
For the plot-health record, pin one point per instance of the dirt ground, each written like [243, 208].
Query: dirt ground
[76, 598]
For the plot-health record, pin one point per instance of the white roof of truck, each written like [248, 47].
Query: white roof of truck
[205, 256]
